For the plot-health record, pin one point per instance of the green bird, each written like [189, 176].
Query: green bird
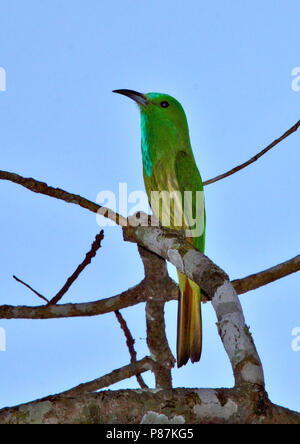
[169, 166]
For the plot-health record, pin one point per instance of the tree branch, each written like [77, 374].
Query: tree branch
[130, 346]
[138, 294]
[248, 401]
[117, 375]
[30, 288]
[257, 280]
[232, 329]
[163, 360]
[92, 253]
[130, 297]
[42, 188]
[87, 260]
[254, 158]
[177, 406]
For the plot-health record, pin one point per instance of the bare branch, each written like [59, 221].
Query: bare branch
[128, 298]
[134, 295]
[257, 156]
[117, 375]
[257, 280]
[42, 188]
[173, 246]
[130, 345]
[169, 291]
[92, 253]
[163, 360]
[232, 329]
[30, 288]
[88, 258]
[177, 406]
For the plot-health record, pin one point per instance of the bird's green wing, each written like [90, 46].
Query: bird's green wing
[189, 180]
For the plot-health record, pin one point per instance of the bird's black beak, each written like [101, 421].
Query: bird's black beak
[139, 98]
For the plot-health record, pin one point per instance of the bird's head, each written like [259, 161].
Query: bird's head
[157, 107]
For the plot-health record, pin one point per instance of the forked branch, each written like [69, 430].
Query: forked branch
[135, 295]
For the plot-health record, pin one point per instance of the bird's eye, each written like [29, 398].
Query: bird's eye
[164, 104]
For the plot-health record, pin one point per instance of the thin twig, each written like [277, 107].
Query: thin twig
[88, 257]
[117, 375]
[30, 288]
[130, 344]
[92, 253]
[254, 158]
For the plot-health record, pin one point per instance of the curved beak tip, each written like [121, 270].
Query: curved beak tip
[139, 98]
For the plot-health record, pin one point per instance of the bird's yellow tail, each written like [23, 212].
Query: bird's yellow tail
[189, 328]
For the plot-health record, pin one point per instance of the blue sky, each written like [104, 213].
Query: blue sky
[230, 65]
